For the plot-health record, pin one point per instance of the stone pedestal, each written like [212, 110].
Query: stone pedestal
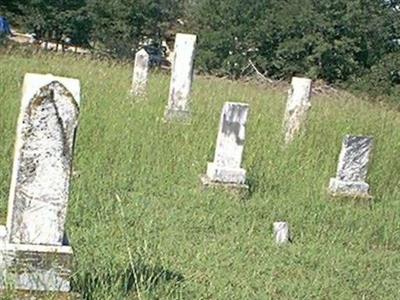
[230, 143]
[225, 174]
[178, 107]
[298, 105]
[177, 115]
[35, 267]
[352, 168]
[140, 73]
[34, 255]
[350, 188]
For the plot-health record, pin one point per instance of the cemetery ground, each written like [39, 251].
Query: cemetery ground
[143, 227]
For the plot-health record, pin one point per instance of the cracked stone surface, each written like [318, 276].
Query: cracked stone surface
[298, 105]
[354, 158]
[43, 160]
[230, 145]
[181, 78]
[140, 73]
[353, 166]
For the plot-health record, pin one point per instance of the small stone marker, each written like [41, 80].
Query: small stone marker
[282, 233]
[140, 73]
[35, 255]
[181, 79]
[298, 104]
[352, 168]
[229, 150]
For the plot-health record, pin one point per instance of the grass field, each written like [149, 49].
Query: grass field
[142, 226]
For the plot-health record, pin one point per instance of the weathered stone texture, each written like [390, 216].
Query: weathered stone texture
[230, 143]
[181, 78]
[353, 167]
[36, 267]
[298, 104]
[282, 233]
[140, 73]
[42, 164]
[354, 158]
[34, 253]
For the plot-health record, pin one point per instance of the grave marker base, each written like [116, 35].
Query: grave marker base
[226, 175]
[26, 295]
[349, 188]
[35, 267]
[207, 182]
[177, 115]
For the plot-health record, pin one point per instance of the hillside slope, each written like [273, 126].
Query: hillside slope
[176, 240]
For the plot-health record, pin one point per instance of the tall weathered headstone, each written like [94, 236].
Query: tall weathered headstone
[297, 106]
[181, 79]
[226, 168]
[140, 73]
[353, 167]
[35, 255]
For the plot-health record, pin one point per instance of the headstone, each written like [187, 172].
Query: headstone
[181, 79]
[140, 73]
[36, 256]
[298, 104]
[226, 168]
[282, 233]
[352, 168]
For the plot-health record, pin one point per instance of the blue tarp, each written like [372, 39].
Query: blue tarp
[4, 26]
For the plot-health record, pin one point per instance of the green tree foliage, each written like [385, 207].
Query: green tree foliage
[121, 26]
[332, 40]
[335, 40]
[116, 27]
[55, 19]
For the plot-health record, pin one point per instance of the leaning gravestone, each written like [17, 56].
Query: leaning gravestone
[140, 73]
[181, 79]
[35, 254]
[352, 168]
[298, 104]
[226, 168]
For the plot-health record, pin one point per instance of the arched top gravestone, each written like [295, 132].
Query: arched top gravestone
[43, 159]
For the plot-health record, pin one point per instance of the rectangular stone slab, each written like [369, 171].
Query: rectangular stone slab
[39, 189]
[348, 188]
[354, 158]
[230, 143]
[182, 75]
[231, 135]
[228, 175]
[298, 104]
[36, 267]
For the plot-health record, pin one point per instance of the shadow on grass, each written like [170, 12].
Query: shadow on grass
[142, 278]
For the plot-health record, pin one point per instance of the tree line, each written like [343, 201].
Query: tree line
[353, 42]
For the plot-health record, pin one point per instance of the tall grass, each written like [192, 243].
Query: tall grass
[177, 240]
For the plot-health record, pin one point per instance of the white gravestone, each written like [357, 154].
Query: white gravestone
[229, 150]
[140, 73]
[39, 192]
[298, 104]
[282, 233]
[353, 167]
[181, 78]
